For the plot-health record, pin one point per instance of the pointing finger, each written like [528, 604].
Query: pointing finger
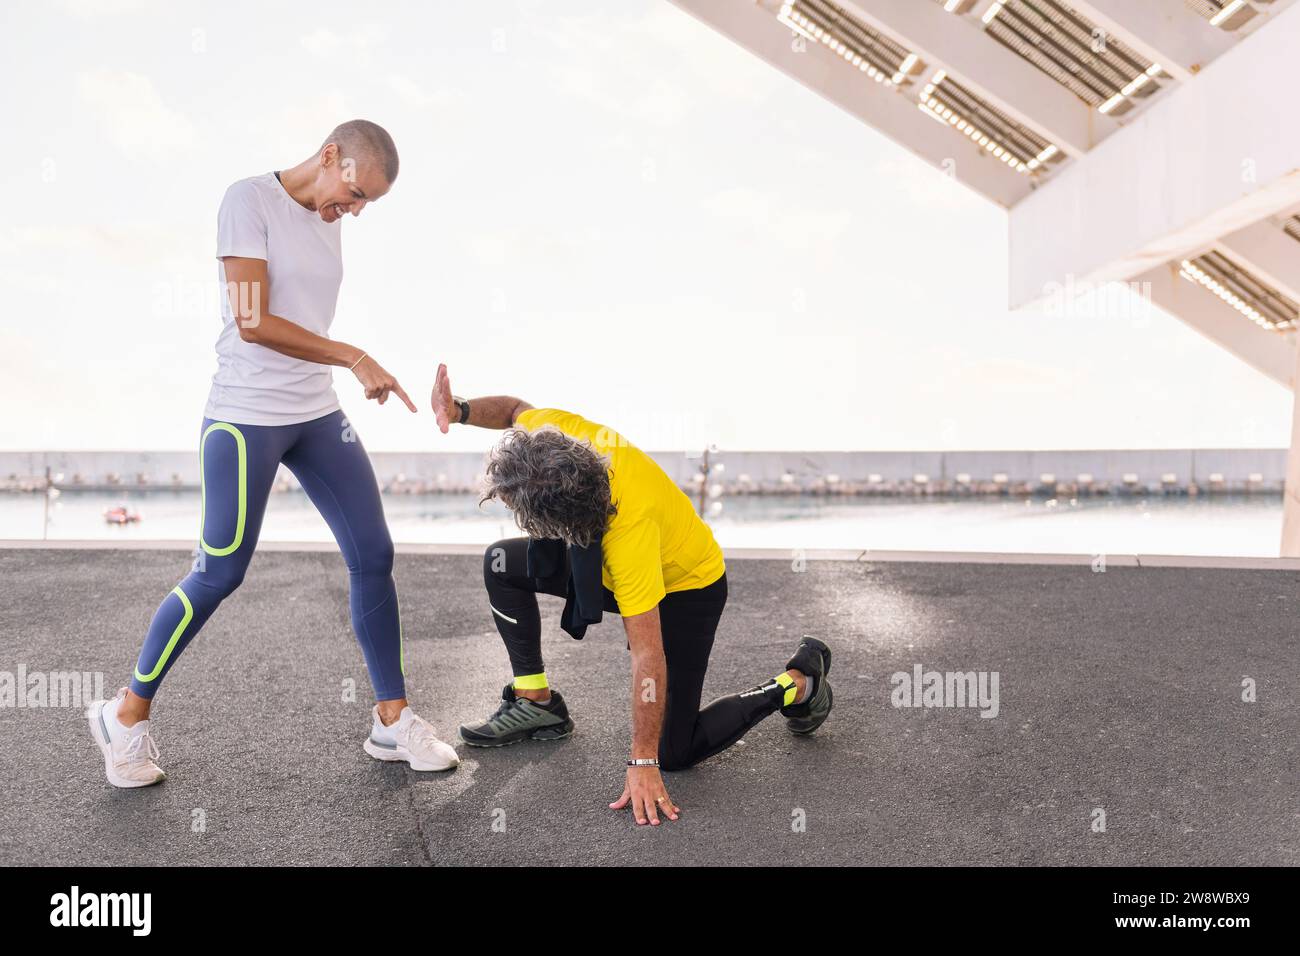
[401, 392]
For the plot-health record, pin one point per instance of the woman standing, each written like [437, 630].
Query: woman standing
[273, 401]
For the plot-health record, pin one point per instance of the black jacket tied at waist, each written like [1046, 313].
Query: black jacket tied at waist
[584, 594]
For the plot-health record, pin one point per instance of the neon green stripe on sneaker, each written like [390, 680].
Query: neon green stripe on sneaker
[171, 644]
[791, 689]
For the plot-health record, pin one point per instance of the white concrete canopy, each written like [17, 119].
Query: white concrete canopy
[1164, 31]
[1272, 353]
[1009, 82]
[894, 113]
[1269, 253]
[1208, 158]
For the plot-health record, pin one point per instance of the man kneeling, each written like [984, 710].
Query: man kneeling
[609, 530]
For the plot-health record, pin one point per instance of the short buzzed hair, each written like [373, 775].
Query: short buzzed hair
[365, 141]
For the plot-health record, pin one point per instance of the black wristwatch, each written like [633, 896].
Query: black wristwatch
[464, 409]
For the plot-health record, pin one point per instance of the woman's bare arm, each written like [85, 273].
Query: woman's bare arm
[248, 287]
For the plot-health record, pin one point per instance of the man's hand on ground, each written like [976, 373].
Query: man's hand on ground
[648, 796]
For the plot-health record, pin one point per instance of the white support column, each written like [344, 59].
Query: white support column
[1273, 353]
[1163, 31]
[753, 25]
[1267, 352]
[1269, 253]
[1009, 82]
[1291, 496]
[1208, 158]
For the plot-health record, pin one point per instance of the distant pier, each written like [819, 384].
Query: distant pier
[1067, 473]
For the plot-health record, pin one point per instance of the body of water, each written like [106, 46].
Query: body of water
[1245, 525]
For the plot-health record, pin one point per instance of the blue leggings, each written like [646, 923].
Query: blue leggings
[238, 464]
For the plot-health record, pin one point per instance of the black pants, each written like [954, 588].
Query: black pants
[688, 620]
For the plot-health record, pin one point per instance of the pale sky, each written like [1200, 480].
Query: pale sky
[605, 207]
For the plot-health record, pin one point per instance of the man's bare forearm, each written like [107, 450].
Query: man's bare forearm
[492, 411]
[649, 682]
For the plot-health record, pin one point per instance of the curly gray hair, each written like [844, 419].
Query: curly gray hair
[557, 486]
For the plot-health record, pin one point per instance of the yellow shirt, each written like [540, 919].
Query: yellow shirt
[656, 544]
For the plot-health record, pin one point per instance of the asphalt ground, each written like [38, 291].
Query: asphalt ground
[1119, 693]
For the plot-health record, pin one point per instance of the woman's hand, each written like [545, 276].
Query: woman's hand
[378, 382]
[646, 792]
[441, 399]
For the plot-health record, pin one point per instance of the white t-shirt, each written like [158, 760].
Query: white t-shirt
[255, 385]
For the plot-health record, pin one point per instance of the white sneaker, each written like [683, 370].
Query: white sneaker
[129, 752]
[409, 738]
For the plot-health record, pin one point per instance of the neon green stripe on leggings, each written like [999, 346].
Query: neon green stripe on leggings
[243, 489]
[401, 641]
[171, 644]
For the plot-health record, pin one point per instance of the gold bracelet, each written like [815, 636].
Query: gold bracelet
[354, 365]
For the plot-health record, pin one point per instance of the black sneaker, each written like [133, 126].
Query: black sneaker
[519, 718]
[814, 659]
